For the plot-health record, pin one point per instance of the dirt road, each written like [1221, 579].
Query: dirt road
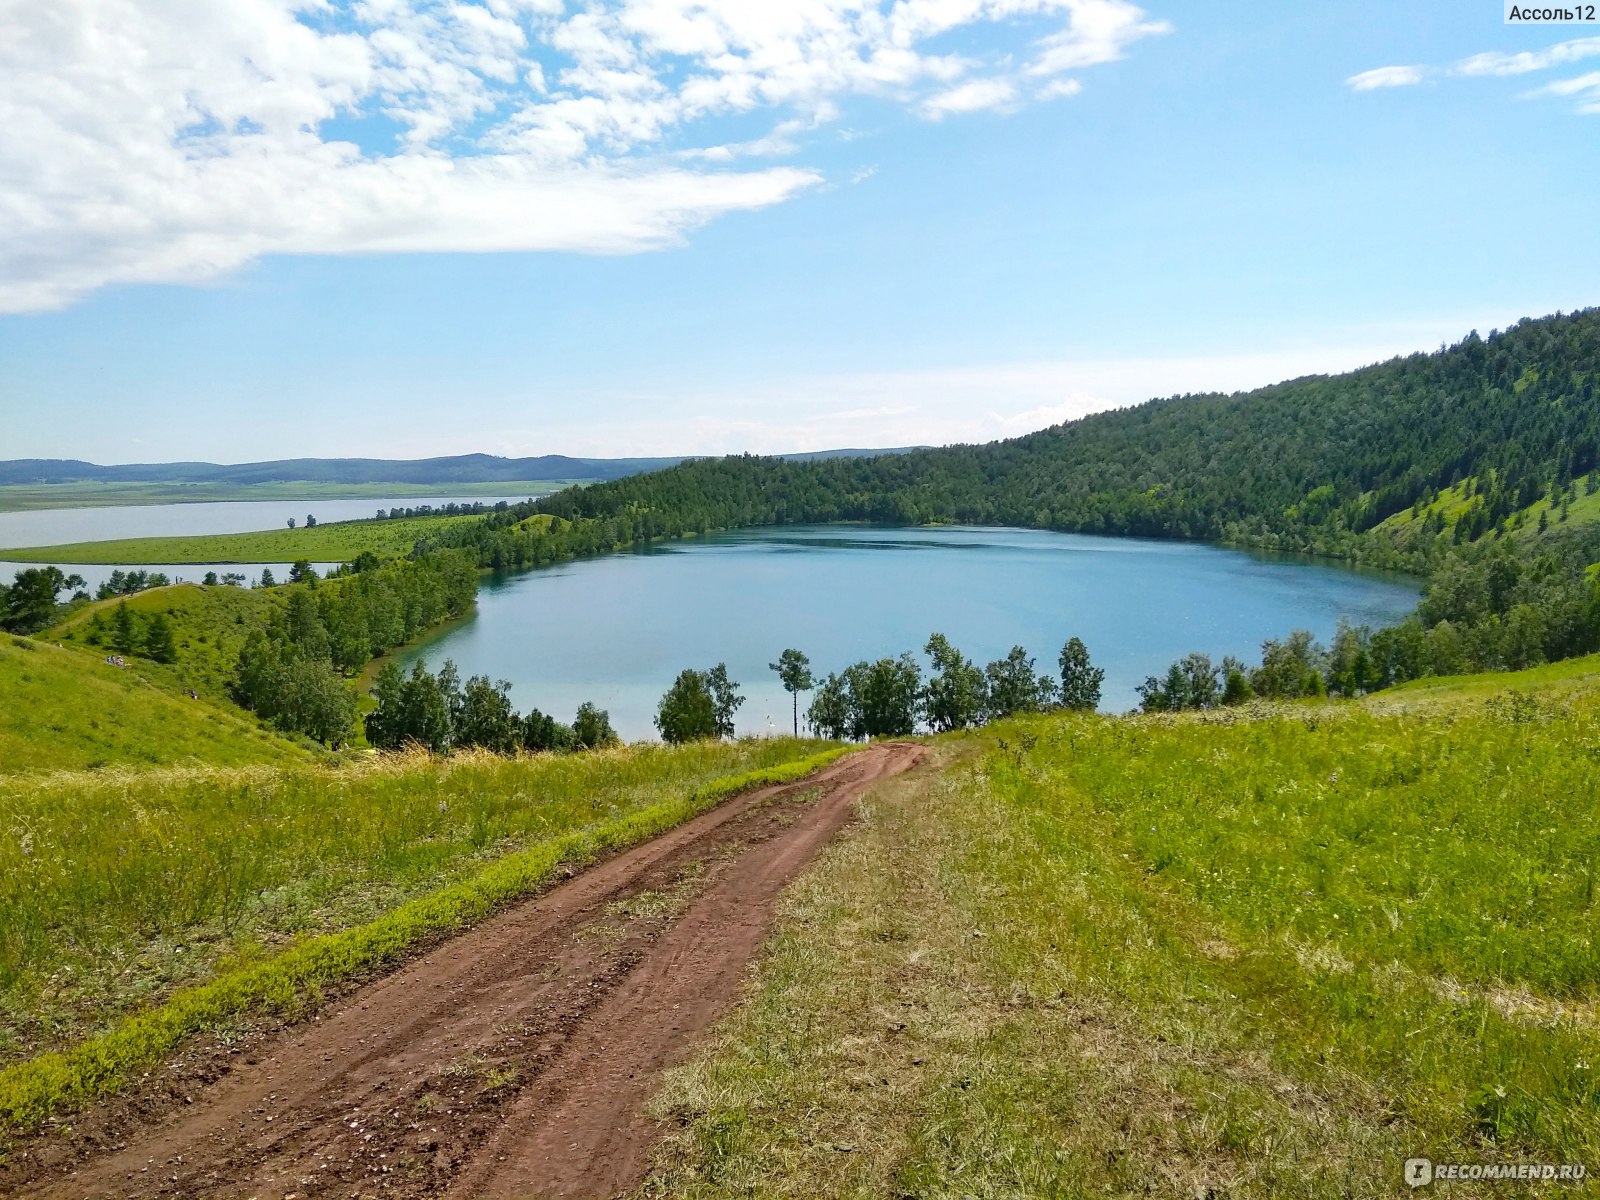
[513, 1061]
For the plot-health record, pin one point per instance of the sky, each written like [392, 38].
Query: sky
[404, 228]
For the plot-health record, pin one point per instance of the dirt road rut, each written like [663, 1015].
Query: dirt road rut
[513, 1061]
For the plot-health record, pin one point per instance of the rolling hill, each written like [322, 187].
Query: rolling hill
[66, 709]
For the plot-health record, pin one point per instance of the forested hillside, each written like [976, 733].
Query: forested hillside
[1305, 465]
[1474, 466]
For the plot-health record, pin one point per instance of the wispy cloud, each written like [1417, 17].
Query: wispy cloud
[1057, 89]
[1493, 64]
[1586, 88]
[970, 97]
[1385, 77]
[172, 140]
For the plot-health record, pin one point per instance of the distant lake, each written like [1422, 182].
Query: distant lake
[617, 629]
[57, 526]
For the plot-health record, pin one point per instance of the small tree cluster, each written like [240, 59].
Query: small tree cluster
[698, 705]
[889, 697]
[126, 583]
[127, 632]
[1291, 668]
[30, 604]
[438, 712]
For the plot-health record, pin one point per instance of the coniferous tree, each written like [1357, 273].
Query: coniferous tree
[159, 643]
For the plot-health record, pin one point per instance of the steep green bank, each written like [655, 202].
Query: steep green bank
[190, 641]
[63, 710]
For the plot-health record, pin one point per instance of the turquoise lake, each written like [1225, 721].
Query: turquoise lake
[617, 629]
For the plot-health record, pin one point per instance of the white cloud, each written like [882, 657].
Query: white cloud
[1385, 77]
[1058, 89]
[975, 96]
[172, 140]
[1496, 63]
[1100, 31]
[1586, 88]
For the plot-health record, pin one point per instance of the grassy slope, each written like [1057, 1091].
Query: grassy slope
[337, 542]
[209, 626]
[1265, 954]
[1453, 502]
[1550, 681]
[62, 710]
[18, 497]
[114, 890]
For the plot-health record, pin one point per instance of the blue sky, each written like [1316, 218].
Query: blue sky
[655, 227]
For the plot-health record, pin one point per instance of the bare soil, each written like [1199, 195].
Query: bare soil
[512, 1061]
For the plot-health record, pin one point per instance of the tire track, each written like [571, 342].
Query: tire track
[514, 1060]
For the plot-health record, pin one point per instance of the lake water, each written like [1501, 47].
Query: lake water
[55, 526]
[618, 629]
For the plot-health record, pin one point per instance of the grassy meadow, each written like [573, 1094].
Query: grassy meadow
[118, 887]
[338, 541]
[1270, 953]
[64, 711]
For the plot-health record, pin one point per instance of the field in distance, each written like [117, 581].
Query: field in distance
[335, 542]
[23, 497]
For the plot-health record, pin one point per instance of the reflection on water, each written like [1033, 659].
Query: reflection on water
[618, 629]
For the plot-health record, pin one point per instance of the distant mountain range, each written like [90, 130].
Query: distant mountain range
[460, 468]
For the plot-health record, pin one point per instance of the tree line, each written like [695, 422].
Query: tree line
[1487, 608]
[889, 697]
[439, 713]
[294, 671]
[453, 509]
[1306, 465]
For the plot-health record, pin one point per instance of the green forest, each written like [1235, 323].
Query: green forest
[1307, 465]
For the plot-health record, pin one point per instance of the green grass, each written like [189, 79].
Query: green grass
[64, 710]
[1273, 953]
[209, 624]
[1453, 502]
[140, 907]
[337, 542]
[1549, 679]
[18, 497]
